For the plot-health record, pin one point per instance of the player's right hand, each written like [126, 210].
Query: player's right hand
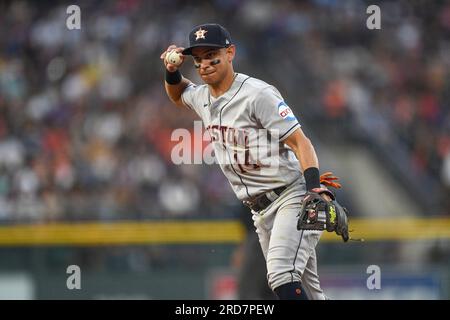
[169, 66]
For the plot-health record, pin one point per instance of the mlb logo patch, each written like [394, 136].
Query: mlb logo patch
[285, 112]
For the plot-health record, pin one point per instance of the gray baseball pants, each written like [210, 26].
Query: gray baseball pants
[290, 254]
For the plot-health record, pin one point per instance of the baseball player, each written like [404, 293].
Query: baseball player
[230, 104]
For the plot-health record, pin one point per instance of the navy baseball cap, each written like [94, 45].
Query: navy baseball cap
[208, 35]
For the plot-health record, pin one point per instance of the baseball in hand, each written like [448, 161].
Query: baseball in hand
[174, 58]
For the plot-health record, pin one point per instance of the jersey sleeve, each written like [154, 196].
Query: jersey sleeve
[274, 114]
[193, 98]
[188, 96]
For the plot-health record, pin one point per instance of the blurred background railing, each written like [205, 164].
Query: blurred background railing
[153, 260]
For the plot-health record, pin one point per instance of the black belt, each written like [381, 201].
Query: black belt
[263, 201]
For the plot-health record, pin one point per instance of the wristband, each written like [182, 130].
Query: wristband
[173, 77]
[312, 178]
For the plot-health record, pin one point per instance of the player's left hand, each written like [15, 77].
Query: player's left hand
[317, 213]
[324, 193]
[330, 180]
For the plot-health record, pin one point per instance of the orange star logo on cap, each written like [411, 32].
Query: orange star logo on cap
[200, 34]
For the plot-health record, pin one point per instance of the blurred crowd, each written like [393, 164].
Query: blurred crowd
[85, 124]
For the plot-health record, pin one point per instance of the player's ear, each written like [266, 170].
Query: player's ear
[231, 52]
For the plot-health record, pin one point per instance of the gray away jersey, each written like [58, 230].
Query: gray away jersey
[246, 125]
